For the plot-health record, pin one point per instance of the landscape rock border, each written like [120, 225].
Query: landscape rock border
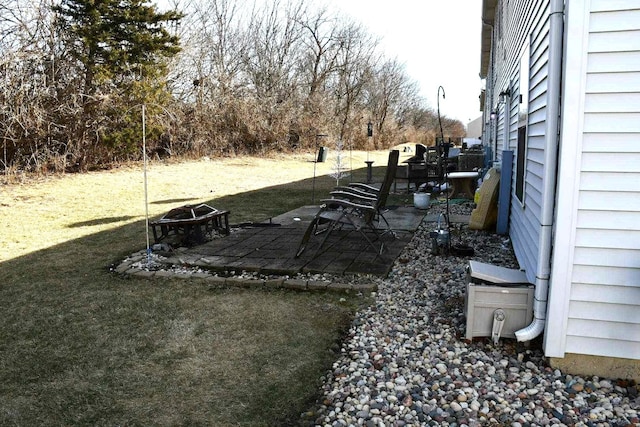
[139, 264]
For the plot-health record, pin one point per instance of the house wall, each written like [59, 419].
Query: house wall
[474, 128]
[515, 22]
[595, 281]
[594, 297]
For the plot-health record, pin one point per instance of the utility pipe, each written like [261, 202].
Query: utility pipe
[507, 120]
[552, 122]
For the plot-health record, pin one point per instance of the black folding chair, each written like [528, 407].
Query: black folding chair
[359, 206]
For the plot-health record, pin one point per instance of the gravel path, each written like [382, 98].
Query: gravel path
[405, 361]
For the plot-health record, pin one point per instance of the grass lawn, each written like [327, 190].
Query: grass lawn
[80, 345]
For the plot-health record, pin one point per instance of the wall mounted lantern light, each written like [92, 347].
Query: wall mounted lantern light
[504, 95]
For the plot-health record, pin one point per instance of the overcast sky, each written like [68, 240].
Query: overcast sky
[437, 40]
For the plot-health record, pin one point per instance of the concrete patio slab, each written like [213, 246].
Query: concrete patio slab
[269, 248]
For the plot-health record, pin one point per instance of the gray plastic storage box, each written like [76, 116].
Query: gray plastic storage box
[499, 301]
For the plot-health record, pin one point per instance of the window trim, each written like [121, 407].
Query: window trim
[522, 147]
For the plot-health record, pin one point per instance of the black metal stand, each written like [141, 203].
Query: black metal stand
[315, 161]
[313, 188]
[369, 171]
[444, 152]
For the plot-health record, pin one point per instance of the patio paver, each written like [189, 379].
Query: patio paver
[270, 248]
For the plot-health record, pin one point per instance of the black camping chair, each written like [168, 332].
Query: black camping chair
[359, 205]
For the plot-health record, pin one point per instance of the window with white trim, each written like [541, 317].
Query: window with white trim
[523, 118]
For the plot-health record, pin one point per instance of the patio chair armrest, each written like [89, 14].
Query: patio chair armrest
[353, 190]
[360, 189]
[354, 194]
[365, 187]
[348, 204]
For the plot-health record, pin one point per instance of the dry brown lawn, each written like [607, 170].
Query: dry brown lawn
[80, 345]
[43, 212]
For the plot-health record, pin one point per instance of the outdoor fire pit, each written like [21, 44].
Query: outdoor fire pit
[190, 223]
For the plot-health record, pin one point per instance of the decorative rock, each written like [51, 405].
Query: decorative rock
[274, 282]
[317, 285]
[363, 415]
[456, 406]
[340, 287]
[404, 356]
[144, 273]
[295, 284]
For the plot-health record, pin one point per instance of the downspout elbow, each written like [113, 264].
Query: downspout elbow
[534, 329]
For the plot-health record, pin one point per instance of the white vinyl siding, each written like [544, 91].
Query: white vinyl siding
[603, 278]
[604, 347]
[594, 300]
[518, 17]
[525, 217]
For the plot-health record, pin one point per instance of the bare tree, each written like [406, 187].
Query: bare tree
[293, 71]
[31, 76]
[388, 91]
[248, 78]
[322, 43]
[213, 47]
[270, 65]
[355, 67]
[207, 77]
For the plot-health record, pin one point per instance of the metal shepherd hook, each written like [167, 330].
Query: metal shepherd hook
[445, 161]
[439, 119]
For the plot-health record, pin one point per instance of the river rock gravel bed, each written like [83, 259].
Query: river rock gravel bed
[405, 361]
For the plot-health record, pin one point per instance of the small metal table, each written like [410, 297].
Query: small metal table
[463, 184]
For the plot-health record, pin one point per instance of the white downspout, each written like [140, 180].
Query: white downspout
[552, 121]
